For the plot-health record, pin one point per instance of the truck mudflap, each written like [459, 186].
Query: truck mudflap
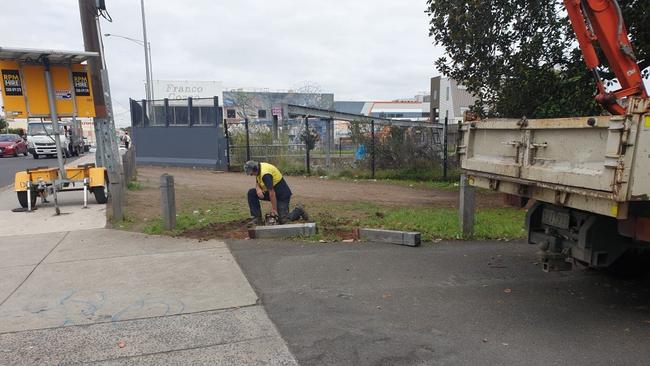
[572, 236]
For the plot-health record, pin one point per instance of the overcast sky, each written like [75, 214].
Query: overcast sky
[356, 49]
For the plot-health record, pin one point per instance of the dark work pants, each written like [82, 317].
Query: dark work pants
[283, 206]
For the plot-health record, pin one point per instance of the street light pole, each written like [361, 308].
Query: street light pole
[146, 53]
[149, 77]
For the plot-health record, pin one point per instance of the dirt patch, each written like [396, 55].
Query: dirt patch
[222, 230]
[206, 183]
[198, 189]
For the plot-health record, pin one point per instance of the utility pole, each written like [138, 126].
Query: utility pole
[107, 148]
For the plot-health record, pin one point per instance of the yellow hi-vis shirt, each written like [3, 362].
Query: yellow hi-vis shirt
[266, 168]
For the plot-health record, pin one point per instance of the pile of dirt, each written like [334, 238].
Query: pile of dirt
[219, 230]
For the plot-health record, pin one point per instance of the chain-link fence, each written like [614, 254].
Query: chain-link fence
[354, 149]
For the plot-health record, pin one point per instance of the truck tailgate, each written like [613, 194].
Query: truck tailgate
[607, 157]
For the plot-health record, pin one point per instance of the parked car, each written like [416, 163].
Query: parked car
[12, 145]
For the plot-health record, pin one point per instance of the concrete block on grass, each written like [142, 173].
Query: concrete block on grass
[409, 238]
[282, 231]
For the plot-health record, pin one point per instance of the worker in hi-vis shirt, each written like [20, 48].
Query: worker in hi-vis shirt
[270, 186]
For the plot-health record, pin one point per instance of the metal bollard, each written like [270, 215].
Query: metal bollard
[467, 206]
[168, 201]
[85, 192]
[29, 196]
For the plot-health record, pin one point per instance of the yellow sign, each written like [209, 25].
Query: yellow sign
[24, 91]
[646, 122]
[13, 95]
[83, 91]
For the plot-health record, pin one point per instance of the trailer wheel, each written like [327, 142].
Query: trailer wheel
[101, 192]
[22, 198]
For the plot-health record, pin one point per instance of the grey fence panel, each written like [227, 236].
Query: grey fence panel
[201, 144]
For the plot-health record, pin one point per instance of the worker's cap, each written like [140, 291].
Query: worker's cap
[250, 166]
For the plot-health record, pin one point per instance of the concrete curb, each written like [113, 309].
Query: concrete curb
[408, 238]
[282, 231]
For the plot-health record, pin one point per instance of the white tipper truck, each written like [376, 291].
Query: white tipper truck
[40, 138]
[589, 176]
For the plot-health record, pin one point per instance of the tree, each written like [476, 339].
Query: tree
[245, 103]
[309, 137]
[3, 124]
[520, 57]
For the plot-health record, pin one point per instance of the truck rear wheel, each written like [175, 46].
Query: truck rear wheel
[22, 198]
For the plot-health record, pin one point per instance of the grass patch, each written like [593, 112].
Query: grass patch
[407, 174]
[195, 218]
[442, 223]
[405, 177]
[451, 185]
[134, 186]
[126, 223]
[334, 218]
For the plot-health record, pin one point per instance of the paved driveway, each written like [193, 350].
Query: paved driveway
[464, 303]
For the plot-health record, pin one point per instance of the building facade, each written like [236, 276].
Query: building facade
[416, 109]
[449, 100]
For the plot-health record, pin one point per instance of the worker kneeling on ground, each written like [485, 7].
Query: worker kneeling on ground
[270, 186]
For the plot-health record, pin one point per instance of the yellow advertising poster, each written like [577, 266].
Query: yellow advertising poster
[83, 91]
[13, 94]
[24, 90]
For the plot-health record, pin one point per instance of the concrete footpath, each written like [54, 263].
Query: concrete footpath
[104, 296]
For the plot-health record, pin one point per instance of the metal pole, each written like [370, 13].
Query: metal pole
[248, 144]
[55, 117]
[276, 132]
[190, 105]
[151, 72]
[444, 149]
[307, 138]
[340, 147]
[166, 112]
[146, 52]
[372, 134]
[328, 153]
[227, 134]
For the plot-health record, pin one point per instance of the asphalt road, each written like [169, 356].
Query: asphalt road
[9, 166]
[464, 303]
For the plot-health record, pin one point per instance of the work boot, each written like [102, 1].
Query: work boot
[300, 209]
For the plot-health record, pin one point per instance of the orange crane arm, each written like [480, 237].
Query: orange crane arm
[601, 21]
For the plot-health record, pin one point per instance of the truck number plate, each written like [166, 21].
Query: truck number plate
[555, 218]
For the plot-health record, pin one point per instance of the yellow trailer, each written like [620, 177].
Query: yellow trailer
[43, 181]
[51, 84]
